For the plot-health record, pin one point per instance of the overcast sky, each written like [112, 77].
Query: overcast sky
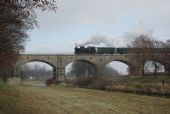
[78, 20]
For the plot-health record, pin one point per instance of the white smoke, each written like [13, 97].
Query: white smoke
[99, 38]
[122, 41]
[139, 30]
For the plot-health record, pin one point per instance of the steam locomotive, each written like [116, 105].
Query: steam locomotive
[100, 50]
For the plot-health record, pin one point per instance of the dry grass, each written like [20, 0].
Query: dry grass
[144, 88]
[31, 82]
[69, 100]
[64, 100]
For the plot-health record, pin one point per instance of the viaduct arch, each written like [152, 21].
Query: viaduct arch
[59, 61]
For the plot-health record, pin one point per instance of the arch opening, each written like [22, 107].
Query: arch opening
[36, 71]
[80, 68]
[116, 68]
[151, 67]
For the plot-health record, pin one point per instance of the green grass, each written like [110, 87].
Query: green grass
[68, 100]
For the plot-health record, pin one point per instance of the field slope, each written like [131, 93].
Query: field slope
[65, 100]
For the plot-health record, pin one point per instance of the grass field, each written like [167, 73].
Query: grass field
[68, 100]
[62, 100]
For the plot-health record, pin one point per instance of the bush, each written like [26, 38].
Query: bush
[100, 83]
[83, 81]
[49, 81]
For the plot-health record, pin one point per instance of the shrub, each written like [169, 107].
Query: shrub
[49, 81]
[100, 83]
[83, 81]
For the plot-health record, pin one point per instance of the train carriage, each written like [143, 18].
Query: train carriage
[121, 50]
[105, 50]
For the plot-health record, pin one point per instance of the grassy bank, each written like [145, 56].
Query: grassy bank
[8, 98]
[148, 85]
[13, 101]
[73, 100]
[65, 100]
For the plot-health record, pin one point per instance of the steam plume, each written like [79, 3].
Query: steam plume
[121, 41]
[139, 30]
[97, 40]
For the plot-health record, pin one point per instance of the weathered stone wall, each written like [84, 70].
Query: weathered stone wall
[59, 62]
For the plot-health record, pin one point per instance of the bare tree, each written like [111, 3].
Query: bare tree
[139, 49]
[166, 55]
[155, 55]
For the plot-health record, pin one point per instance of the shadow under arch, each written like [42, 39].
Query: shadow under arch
[86, 61]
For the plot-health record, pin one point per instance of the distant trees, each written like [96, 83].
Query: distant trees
[80, 69]
[109, 71]
[36, 72]
[17, 17]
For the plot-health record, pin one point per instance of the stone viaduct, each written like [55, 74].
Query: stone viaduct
[60, 61]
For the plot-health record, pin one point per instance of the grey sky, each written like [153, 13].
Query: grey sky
[77, 20]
